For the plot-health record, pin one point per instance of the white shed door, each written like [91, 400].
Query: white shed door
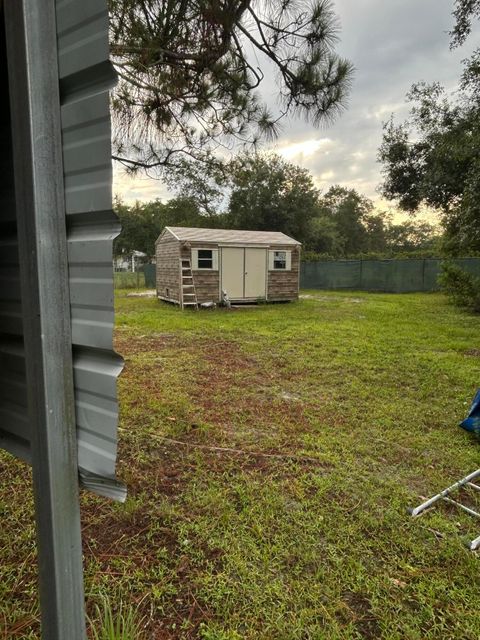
[255, 273]
[244, 272]
[232, 271]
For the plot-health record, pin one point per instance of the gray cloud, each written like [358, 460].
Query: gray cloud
[392, 43]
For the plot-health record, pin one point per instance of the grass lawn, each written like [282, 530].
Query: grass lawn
[271, 454]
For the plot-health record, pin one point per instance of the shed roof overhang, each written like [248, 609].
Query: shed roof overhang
[229, 236]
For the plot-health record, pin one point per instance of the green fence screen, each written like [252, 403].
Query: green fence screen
[149, 271]
[394, 276]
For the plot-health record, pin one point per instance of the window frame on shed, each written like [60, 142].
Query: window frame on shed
[274, 260]
[196, 259]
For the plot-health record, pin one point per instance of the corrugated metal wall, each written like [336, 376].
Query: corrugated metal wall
[86, 75]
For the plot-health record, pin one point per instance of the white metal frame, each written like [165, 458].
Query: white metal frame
[196, 267]
[467, 481]
[288, 259]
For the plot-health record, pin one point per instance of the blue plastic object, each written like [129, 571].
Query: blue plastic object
[472, 421]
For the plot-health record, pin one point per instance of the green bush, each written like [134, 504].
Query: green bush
[461, 287]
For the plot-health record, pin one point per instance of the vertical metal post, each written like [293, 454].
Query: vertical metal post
[35, 106]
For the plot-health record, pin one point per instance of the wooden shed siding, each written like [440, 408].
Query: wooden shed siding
[168, 267]
[283, 285]
[207, 283]
[207, 286]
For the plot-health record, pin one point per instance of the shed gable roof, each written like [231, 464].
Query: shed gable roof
[194, 234]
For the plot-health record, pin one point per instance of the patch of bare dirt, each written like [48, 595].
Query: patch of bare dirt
[243, 402]
[149, 293]
[128, 345]
[230, 386]
[472, 353]
[135, 535]
[359, 608]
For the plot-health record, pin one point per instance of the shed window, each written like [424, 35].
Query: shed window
[279, 259]
[205, 259]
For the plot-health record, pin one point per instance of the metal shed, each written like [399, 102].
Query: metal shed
[202, 265]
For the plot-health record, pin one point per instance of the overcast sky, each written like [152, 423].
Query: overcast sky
[392, 44]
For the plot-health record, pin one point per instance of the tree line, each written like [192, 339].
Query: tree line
[265, 192]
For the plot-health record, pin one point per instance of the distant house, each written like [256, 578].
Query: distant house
[202, 265]
[129, 262]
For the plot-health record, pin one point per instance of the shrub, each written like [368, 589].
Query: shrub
[461, 287]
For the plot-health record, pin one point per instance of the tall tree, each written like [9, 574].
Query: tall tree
[205, 183]
[189, 71]
[433, 159]
[350, 211]
[324, 236]
[271, 194]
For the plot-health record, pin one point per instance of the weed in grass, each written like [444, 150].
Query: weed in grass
[116, 622]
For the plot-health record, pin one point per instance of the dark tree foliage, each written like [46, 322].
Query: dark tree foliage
[349, 217]
[324, 237]
[349, 210]
[206, 183]
[427, 159]
[270, 194]
[143, 222]
[465, 12]
[411, 236]
[263, 191]
[433, 159]
[189, 70]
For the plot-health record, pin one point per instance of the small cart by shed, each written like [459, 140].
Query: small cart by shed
[195, 266]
